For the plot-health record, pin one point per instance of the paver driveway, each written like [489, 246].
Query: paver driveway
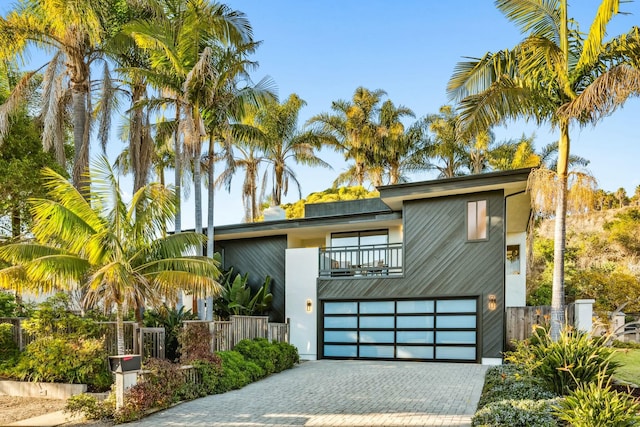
[341, 393]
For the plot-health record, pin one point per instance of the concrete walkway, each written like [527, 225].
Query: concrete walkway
[341, 393]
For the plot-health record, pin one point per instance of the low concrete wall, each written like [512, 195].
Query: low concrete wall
[45, 390]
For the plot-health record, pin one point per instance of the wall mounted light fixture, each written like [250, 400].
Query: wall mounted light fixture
[309, 305]
[493, 302]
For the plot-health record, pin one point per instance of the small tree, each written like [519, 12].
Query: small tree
[108, 248]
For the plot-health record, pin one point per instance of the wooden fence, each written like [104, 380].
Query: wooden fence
[150, 342]
[226, 334]
[521, 320]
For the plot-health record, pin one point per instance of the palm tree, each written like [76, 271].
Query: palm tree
[108, 249]
[400, 150]
[282, 140]
[554, 75]
[353, 129]
[245, 156]
[447, 142]
[175, 41]
[75, 34]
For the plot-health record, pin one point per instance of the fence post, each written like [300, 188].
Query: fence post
[584, 315]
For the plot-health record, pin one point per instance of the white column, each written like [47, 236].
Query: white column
[301, 305]
[584, 315]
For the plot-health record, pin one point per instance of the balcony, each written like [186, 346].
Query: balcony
[365, 260]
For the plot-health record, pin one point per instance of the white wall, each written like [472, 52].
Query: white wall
[301, 273]
[516, 284]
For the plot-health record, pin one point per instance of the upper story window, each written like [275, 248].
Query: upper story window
[477, 220]
[360, 238]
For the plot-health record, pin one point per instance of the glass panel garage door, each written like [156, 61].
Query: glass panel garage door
[424, 329]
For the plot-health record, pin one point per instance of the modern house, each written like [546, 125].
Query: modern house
[422, 273]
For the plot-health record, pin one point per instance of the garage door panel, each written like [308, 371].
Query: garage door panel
[341, 336]
[377, 337]
[414, 352]
[421, 329]
[415, 306]
[456, 306]
[415, 322]
[414, 337]
[341, 322]
[455, 353]
[340, 350]
[456, 322]
[455, 337]
[377, 351]
[374, 307]
[340, 307]
[377, 322]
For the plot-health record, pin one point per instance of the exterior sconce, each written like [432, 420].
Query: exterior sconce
[493, 302]
[309, 305]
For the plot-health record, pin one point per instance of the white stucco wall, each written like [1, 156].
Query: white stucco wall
[516, 284]
[301, 273]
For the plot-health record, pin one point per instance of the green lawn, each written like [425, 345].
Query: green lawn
[630, 365]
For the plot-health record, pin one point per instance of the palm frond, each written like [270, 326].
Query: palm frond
[478, 74]
[535, 17]
[594, 43]
[606, 93]
[16, 99]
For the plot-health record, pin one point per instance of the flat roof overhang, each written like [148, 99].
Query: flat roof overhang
[511, 182]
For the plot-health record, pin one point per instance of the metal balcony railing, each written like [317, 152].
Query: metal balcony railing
[365, 260]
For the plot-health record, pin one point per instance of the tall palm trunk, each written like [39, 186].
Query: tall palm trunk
[210, 213]
[119, 328]
[557, 293]
[210, 195]
[178, 171]
[140, 144]
[197, 196]
[277, 194]
[79, 92]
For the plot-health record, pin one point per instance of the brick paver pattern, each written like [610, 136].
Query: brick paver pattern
[341, 393]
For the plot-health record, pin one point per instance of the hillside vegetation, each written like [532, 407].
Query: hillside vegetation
[602, 260]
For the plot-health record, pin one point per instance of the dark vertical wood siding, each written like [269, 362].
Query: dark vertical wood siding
[260, 257]
[439, 262]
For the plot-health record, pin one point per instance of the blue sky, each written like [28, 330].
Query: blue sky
[324, 49]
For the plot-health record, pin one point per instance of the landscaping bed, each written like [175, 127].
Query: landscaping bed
[14, 408]
[568, 381]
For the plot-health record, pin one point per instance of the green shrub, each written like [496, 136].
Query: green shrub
[88, 406]
[8, 348]
[510, 382]
[65, 359]
[209, 374]
[516, 413]
[562, 365]
[261, 352]
[625, 344]
[286, 356]
[237, 371]
[597, 405]
[54, 316]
